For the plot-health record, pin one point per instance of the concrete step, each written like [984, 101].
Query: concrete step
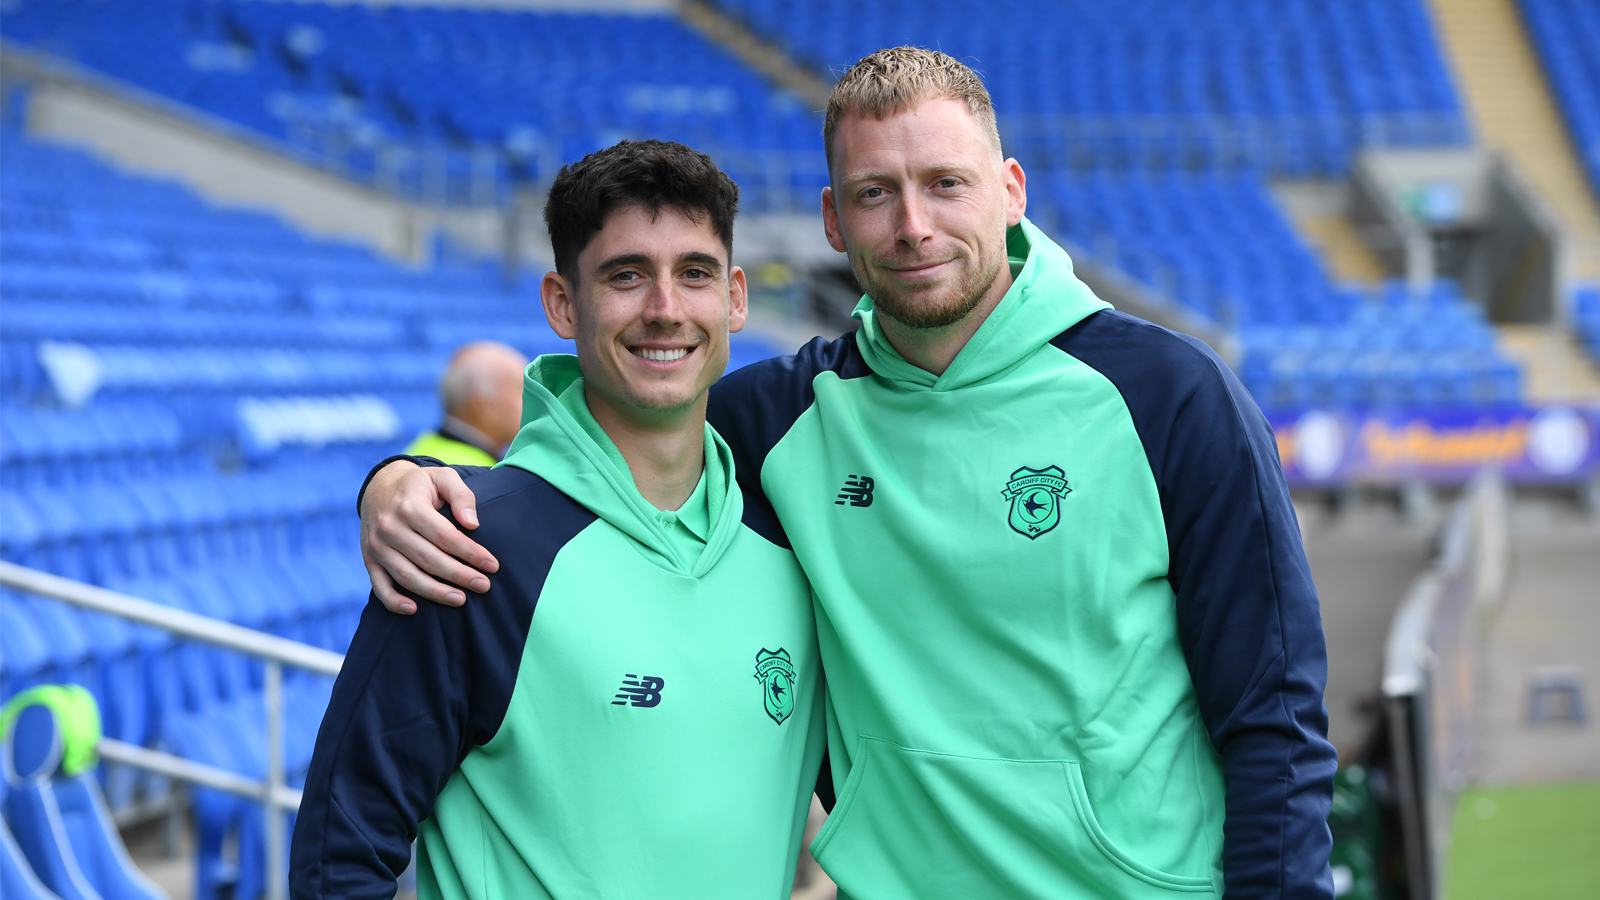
[1503, 85]
[1555, 367]
[1346, 256]
[1319, 212]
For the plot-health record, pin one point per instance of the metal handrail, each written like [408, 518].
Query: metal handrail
[178, 621]
[276, 796]
[1432, 638]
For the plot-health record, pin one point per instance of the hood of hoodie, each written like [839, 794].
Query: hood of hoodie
[555, 446]
[1045, 299]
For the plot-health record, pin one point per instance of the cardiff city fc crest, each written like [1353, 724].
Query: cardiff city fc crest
[776, 674]
[1035, 496]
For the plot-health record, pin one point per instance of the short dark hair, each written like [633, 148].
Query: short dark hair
[649, 174]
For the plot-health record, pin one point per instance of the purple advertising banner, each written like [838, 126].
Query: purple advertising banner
[1550, 444]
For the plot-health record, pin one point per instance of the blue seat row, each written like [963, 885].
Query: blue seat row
[1586, 317]
[100, 532]
[1293, 87]
[143, 678]
[149, 324]
[443, 79]
[1567, 35]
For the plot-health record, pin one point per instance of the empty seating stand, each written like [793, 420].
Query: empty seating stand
[537, 89]
[1147, 128]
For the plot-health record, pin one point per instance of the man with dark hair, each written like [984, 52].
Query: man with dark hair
[656, 729]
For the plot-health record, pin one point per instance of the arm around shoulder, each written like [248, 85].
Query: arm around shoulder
[408, 543]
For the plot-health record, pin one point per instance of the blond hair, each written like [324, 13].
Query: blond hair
[891, 81]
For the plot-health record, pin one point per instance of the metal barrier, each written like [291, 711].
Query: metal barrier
[275, 652]
[1431, 671]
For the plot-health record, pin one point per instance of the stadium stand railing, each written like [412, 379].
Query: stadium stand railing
[270, 788]
[1431, 675]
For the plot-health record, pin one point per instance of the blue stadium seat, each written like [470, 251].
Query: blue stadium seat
[17, 881]
[62, 825]
[1567, 35]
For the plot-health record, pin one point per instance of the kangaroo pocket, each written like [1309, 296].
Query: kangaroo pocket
[917, 824]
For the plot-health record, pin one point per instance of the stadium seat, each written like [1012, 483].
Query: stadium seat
[57, 814]
[17, 881]
[1567, 36]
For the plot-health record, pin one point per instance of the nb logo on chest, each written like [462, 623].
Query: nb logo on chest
[857, 491]
[640, 691]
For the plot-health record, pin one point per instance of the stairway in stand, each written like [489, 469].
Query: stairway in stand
[1513, 111]
[1554, 367]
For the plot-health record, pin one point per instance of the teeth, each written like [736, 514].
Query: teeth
[662, 355]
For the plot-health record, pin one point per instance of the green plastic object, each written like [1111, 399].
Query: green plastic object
[1357, 836]
[77, 717]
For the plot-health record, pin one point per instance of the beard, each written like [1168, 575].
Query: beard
[935, 305]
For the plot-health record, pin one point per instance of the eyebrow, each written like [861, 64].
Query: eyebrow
[857, 180]
[639, 259]
[702, 259]
[617, 262]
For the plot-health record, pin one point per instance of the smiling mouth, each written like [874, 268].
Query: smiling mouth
[672, 355]
[913, 271]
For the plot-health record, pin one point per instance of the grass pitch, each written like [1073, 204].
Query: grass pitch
[1532, 841]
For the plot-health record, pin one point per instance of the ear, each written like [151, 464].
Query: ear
[560, 305]
[1016, 191]
[830, 221]
[738, 300]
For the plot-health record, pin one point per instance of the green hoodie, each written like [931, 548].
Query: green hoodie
[628, 713]
[1011, 713]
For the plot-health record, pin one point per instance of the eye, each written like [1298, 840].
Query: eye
[872, 193]
[696, 274]
[947, 182]
[626, 277]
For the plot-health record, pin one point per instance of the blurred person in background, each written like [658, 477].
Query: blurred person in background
[482, 396]
[1070, 637]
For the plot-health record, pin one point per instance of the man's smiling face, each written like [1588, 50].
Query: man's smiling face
[655, 299]
[920, 200]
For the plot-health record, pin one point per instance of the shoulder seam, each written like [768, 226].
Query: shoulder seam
[521, 489]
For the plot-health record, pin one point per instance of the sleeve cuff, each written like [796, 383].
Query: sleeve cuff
[425, 462]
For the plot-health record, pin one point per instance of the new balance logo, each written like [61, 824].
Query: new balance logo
[645, 692]
[857, 491]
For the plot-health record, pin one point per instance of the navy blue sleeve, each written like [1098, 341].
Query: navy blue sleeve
[754, 407]
[1247, 610]
[418, 692]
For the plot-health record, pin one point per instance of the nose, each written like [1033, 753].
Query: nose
[914, 226]
[663, 305]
